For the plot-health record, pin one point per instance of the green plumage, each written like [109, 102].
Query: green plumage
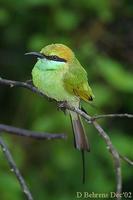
[60, 76]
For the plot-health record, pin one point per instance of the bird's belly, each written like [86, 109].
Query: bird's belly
[51, 83]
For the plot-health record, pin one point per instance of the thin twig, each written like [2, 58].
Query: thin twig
[35, 90]
[116, 156]
[14, 169]
[27, 133]
[109, 144]
[130, 162]
[113, 116]
[22, 84]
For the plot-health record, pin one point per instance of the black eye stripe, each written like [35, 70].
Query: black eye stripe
[55, 58]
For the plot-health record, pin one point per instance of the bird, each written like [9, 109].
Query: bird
[58, 74]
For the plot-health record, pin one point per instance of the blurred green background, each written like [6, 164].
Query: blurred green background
[100, 33]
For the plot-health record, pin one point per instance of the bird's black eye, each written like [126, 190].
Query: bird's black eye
[55, 58]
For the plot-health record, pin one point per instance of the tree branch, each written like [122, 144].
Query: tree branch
[14, 169]
[111, 148]
[12, 84]
[27, 133]
[35, 90]
[112, 116]
[115, 155]
[130, 162]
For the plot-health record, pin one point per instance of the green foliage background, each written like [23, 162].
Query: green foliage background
[100, 33]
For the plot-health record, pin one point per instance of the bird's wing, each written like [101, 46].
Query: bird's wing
[76, 82]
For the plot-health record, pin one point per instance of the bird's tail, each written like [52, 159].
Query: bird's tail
[80, 138]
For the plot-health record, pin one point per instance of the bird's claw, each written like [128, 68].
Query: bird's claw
[61, 105]
[29, 82]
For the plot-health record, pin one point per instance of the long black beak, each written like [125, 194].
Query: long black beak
[37, 54]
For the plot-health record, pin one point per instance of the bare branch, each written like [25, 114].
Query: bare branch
[113, 116]
[116, 156]
[27, 133]
[130, 162]
[14, 169]
[35, 90]
[109, 144]
[22, 84]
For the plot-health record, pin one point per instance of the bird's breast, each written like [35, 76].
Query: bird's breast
[51, 83]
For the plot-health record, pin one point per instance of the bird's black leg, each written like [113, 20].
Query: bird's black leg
[29, 82]
[61, 106]
[83, 110]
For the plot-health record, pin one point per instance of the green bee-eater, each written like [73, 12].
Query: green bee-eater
[59, 75]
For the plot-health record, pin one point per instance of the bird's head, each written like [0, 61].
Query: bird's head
[54, 55]
[58, 52]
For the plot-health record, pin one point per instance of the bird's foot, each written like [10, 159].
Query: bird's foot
[29, 82]
[61, 105]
